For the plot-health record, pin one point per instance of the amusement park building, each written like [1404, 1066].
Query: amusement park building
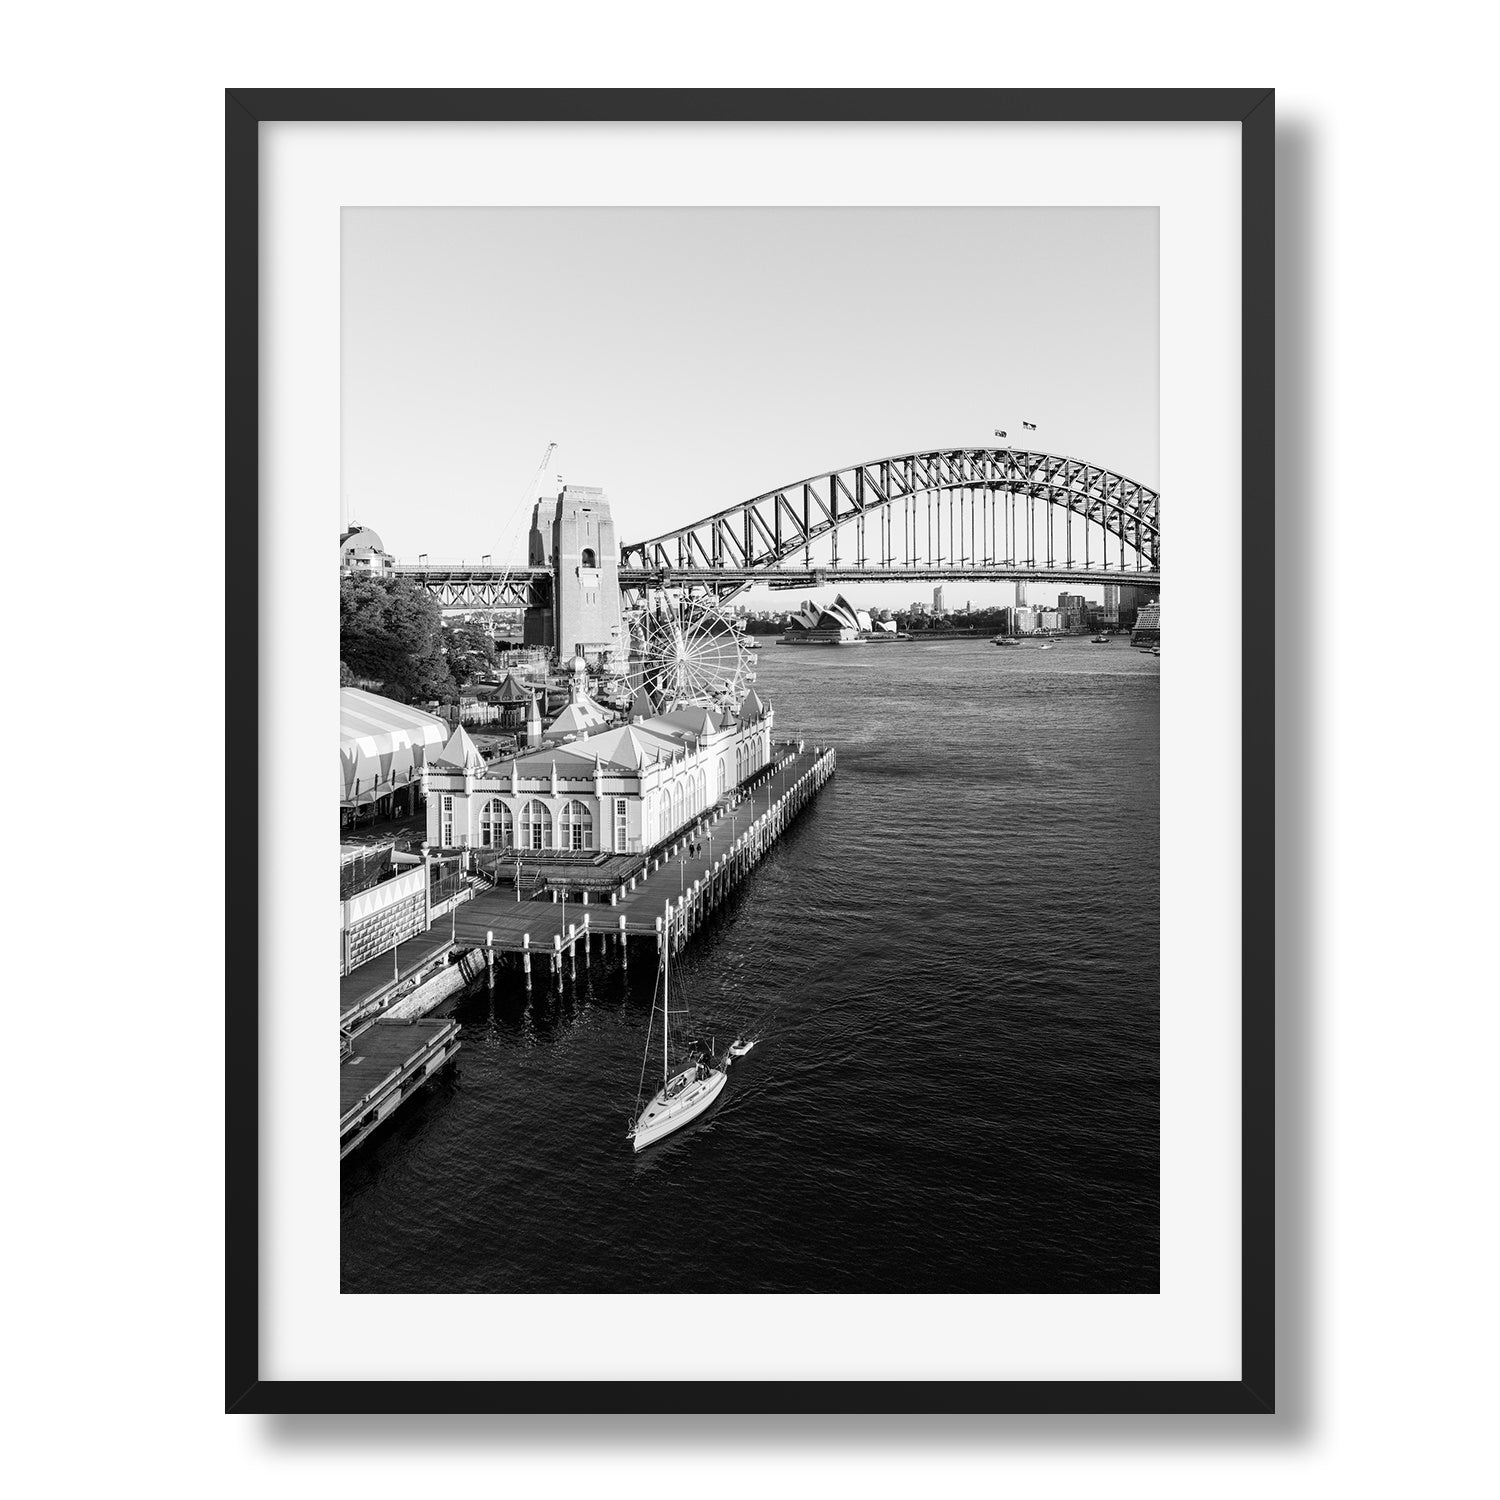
[384, 747]
[618, 790]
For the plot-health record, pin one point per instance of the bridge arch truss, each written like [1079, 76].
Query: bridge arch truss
[939, 512]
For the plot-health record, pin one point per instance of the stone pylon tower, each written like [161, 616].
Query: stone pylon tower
[574, 535]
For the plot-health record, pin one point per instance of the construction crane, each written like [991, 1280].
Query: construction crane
[527, 498]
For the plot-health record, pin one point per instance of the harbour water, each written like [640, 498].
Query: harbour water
[951, 959]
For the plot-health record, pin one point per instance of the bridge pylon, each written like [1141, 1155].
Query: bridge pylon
[574, 535]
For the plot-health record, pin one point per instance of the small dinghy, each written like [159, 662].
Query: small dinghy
[739, 1049]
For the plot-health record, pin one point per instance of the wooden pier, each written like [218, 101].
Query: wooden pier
[675, 890]
[383, 1061]
[383, 1064]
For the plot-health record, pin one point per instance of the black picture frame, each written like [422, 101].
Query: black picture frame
[1254, 110]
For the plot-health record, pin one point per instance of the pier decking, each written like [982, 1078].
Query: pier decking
[362, 988]
[385, 1060]
[383, 1064]
[675, 889]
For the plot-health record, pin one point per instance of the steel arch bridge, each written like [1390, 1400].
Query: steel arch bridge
[975, 513]
[980, 514]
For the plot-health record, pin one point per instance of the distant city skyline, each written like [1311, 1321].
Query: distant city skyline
[686, 359]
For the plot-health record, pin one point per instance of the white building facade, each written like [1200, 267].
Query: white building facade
[620, 790]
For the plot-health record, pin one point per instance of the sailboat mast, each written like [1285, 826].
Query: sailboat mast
[666, 1005]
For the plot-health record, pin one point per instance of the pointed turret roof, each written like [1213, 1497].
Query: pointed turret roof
[461, 751]
[625, 747]
[692, 718]
[577, 718]
[513, 690]
[751, 707]
[641, 706]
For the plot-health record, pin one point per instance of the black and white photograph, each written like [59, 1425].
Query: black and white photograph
[749, 714]
[830, 992]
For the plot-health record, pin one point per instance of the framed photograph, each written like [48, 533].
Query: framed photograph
[805, 896]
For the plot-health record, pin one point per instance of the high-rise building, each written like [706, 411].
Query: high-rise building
[1121, 602]
[937, 601]
[1020, 594]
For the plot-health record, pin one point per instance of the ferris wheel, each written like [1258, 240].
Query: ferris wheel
[691, 652]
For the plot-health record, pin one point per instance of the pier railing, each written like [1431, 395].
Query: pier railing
[695, 871]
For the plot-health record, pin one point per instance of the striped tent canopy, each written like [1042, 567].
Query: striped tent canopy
[513, 690]
[382, 745]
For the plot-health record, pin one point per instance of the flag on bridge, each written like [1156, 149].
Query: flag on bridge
[1029, 426]
[998, 433]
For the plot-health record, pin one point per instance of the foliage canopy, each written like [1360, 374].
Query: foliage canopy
[391, 631]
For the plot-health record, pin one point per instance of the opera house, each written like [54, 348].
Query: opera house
[836, 624]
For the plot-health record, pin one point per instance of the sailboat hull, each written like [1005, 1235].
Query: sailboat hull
[672, 1108]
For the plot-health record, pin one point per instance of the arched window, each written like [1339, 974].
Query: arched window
[497, 829]
[702, 794]
[577, 826]
[723, 777]
[588, 558]
[677, 817]
[536, 826]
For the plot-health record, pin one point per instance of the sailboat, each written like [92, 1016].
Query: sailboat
[685, 1093]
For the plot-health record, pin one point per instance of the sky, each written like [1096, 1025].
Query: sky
[687, 359]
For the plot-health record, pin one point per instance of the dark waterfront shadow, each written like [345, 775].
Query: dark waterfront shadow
[719, 1436]
[1299, 673]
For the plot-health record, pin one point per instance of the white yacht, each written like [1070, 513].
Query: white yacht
[686, 1092]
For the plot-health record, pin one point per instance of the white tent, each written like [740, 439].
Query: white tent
[382, 745]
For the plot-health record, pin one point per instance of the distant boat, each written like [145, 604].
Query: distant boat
[688, 1085]
[1099, 640]
[1156, 651]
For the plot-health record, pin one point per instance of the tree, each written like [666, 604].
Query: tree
[390, 630]
[470, 652]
